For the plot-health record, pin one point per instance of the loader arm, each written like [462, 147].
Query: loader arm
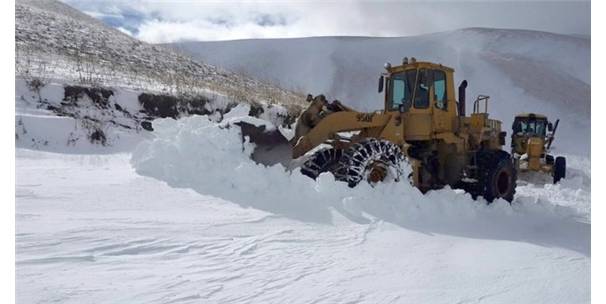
[338, 122]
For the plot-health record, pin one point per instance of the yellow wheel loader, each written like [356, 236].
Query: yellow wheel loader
[531, 141]
[423, 123]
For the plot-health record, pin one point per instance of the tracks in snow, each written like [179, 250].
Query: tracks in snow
[91, 230]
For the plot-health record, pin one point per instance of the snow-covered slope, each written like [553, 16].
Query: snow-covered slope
[59, 49]
[56, 41]
[523, 71]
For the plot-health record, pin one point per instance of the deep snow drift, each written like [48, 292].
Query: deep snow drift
[198, 153]
[212, 226]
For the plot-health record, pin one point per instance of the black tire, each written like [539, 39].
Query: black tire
[549, 159]
[496, 176]
[559, 169]
[362, 159]
[321, 161]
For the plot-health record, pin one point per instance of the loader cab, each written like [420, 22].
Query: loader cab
[424, 93]
[418, 86]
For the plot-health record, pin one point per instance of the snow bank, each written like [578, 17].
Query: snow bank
[45, 120]
[210, 158]
[62, 117]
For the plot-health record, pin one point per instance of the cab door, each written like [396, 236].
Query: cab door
[418, 123]
[442, 119]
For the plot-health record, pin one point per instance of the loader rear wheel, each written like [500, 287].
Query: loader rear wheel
[372, 159]
[496, 176]
[559, 169]
[322, 161]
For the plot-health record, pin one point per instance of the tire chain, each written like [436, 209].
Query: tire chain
[355, 160]
[320, 162]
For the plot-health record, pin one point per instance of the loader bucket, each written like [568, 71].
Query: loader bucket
[271, 147]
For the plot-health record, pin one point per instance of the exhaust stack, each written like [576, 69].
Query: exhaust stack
[462, 88]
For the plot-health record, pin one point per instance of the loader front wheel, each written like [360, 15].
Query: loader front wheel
[323, 160]
[497, 176]
[373, 160]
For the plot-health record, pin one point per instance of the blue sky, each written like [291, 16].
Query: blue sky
[158, 21]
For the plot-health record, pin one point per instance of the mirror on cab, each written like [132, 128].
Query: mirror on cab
[549, 126]
[381, 81]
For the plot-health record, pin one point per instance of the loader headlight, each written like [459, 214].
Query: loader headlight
[387, 65]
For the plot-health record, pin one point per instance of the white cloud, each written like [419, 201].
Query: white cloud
[170, 31]
[194, 21]
[169, 21]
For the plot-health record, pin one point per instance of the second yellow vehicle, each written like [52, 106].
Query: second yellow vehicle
[531, 139]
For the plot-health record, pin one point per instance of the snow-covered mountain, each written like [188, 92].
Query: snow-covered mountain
[522, 71]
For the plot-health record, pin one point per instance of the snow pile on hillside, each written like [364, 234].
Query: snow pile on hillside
[522, 71]
[79, 119]
[45, 119]
[209, 157]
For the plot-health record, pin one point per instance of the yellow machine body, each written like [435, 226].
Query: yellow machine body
[529, 143]
[421, 115]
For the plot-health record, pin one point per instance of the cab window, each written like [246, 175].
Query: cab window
[439, 89]
[540, 127]
[518, 126]
[401, 86]
[399, 92]
[530, 127]
[422, 90]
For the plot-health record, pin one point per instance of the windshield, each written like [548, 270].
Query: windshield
[530, 126]
[402, 86]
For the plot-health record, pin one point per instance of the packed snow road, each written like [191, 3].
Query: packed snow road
[188, 218]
